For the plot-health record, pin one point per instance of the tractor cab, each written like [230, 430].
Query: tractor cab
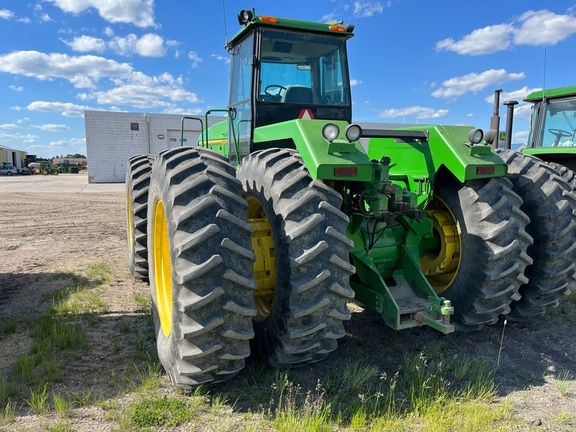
[553, 119]
[283, 70]
[552, 135]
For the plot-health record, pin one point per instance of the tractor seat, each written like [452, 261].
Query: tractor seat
[298, 94]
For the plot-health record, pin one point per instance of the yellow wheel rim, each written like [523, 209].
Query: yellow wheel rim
[265, 264]
[130, 229]
[441, 265]
[162, 268]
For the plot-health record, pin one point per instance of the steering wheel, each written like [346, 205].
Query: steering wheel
[559, 133]
[274, 86]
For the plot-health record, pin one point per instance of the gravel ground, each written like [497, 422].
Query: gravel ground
[53, 227]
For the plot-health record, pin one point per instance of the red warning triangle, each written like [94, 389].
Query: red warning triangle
[306, 114]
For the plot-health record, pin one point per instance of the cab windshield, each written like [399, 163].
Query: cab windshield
[306, 69]
[557, 123]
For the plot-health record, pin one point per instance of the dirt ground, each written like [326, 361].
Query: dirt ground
[44, 235]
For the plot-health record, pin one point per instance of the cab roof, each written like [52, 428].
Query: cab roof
[550, 93]
[332, 28]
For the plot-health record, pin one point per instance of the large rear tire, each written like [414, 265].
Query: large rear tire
[490, 255]
[565, 173]
[302, 309]
[550, 206]
[200, 266]
[137, 184]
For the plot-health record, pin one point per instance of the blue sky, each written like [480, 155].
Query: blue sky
[426, 61]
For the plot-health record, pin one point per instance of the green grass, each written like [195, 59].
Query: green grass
[62, 406]
[432, 390]
[562, 381]
[101, 273]
[155, 412]
[38, 400]
[144, 302]
[8, 326]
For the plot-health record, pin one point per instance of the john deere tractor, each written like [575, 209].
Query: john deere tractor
[256, 239]
[552, 135]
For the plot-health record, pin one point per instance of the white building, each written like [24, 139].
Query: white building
[113, 137]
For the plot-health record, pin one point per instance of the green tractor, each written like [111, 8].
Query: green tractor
[552, 135]
[65, 167]
[256, 239]
[542, 173]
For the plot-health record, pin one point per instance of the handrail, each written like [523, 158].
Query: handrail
[230, 120]
[201, 128]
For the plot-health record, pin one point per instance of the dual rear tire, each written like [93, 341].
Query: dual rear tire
[206, 302]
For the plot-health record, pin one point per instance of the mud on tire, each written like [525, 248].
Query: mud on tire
[137, 184]
[550, 205]
[494, 246]
[311, 257]
[200, 266]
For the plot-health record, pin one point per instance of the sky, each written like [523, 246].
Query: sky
[410, 61]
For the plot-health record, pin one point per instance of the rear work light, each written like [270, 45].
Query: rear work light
[337, 28]
[485, 170]
[345, 172]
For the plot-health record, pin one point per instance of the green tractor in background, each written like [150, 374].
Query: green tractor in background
[256, 239]
[552, 136]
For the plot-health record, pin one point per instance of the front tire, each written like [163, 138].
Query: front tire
[492, 248]
[301, 312]
[550, 206]
[200, 266]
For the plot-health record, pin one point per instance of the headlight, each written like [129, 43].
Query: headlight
[330, 132]
[353, 132]
[475, 136]
[490, 136]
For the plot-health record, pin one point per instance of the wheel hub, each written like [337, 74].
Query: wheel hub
[130, 228]
[440, 265]
[265, 264]
[162, 268]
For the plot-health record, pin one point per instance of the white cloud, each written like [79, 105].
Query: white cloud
[52, 127]
[544, 28]
[520, 137]
[193, 56]
[355, 82]
[64, 108]
[151, 45]
[517, 95]
[143, 91]
[481, 41]
[79, 142]
[45, 17]
[16, 89]
[413, 111]
[82, 71]
[22, 138]
[6, 14]
[86, 44]
[130, 88]
[219, 58]
[125, 46]
[523, 110]
[7, 126]
[365, 9]
[109, 32]
[474, 82]
[534, 28]
[138, 12]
